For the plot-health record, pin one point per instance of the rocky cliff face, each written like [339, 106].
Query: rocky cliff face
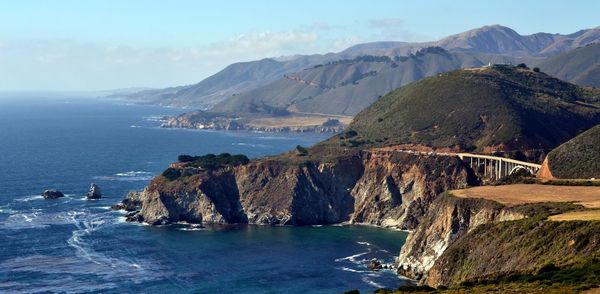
[447, 219]
[469, 240]
[369, 187]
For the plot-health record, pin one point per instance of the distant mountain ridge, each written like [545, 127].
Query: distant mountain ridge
[580, 65]
[246, 76]
[347, 86]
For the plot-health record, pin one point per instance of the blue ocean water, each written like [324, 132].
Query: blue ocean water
[73, 245]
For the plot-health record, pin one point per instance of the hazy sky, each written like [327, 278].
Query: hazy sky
[94, 45]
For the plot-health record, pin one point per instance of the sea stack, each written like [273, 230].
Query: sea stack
[94, 192]
[52, 194]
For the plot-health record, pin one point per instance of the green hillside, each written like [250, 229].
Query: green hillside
[578, 158]
[503, 107]
[580, 66]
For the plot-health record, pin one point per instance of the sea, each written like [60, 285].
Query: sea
[74, 245]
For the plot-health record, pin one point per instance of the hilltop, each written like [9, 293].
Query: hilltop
[579, 158]
[502, 108]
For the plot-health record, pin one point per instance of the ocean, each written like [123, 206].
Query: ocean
[73, 245]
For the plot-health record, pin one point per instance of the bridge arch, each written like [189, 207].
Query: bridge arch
[520, 167]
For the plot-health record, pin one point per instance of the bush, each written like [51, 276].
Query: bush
[351, 133]
[211, 161]
[536, 69]
[522, 65]
[171, 174]
[301, 151]
[185, 158]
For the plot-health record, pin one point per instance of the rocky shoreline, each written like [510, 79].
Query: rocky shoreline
[375, 188]
[202, 121]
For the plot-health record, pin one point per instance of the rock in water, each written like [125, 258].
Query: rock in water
[375, 265]
[94, 192]
[52, 194]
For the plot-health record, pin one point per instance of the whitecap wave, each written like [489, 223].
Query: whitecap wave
[191, 229]
[250, 145]
[346, 269]
[157, 118]
[363, 243]
[371, 282]
[38, 219]
[352, 258]
[29, 198]
[128, 176]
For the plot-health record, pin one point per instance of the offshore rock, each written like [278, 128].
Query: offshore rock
[94, 192]
[52, 194]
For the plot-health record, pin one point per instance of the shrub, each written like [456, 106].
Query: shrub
[185, 158]
[211, 161]
[171, 174]
[351, 133]
[301, 151]
[536, 69]
[522, 65]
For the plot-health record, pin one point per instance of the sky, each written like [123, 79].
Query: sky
[85, 45]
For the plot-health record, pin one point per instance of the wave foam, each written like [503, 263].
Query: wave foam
[128, 176]
[351, 258]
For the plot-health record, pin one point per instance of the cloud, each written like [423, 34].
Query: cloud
[386, 23]
[73, 65]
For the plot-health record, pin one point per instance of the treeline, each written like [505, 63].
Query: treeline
[213, 161]
[208, 161]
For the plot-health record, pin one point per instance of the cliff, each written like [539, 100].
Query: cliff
[368, 187]
[448, 219]
[470, 241]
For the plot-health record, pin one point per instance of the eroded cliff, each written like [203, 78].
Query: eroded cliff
[447, 219]
[381, 188]
[473, 240]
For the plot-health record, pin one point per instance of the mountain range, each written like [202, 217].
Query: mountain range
[352, 83]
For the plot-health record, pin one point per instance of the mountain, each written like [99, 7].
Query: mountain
[579, 158]
[494, 39]
[501, 108]
[345, 87]
[235, 78]
[580, 66]
[245, 76]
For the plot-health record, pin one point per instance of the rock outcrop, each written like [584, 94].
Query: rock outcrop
[467, 240]
[387, 189]
[52, 194]
[94, 192]
[133, 202]
[447, 219]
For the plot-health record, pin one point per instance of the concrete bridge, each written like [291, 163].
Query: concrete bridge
[494, 167]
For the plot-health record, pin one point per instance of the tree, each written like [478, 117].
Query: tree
[301, 151]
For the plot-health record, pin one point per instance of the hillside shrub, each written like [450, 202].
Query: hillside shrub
[171, 174]
[211, 161]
